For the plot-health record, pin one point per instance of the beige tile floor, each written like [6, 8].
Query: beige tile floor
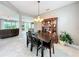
[16, 47]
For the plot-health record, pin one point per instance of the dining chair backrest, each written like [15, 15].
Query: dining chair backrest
[29, 33]
[35, 40]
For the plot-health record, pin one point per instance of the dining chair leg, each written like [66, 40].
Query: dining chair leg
[37, 51]
[53, 49]
[42, 52]
[31, 46]
[27, 42]
[50, 52]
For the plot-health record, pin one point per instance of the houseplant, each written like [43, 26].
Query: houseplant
[66, 38]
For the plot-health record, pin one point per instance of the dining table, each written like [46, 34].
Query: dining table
[44, 37]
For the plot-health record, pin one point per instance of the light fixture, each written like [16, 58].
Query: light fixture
[38, 19]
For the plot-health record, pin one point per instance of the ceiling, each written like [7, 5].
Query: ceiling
[31, 7]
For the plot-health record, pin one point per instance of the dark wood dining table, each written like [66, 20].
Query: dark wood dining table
[44, 38]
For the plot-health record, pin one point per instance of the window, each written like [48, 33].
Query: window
[7, 25]
[27, 26]
[10, 25]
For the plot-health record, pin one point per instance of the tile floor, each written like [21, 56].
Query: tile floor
[16, 47]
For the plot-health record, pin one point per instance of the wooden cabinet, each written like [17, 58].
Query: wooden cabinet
[50, 26]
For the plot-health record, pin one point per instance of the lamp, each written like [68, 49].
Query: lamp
[38, 19]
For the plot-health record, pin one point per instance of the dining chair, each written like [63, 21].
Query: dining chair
[43, 46]
[35, 42]
[28, 37]
[32, 40]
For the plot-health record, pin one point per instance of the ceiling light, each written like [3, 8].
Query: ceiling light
[38, 19]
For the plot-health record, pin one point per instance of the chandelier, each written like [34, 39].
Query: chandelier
[38, 19]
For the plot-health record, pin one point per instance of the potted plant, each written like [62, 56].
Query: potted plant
[66, 38]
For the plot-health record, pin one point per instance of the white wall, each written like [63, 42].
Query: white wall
[68, 20]
[7, 13]
[27, 18]
[37, 26]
